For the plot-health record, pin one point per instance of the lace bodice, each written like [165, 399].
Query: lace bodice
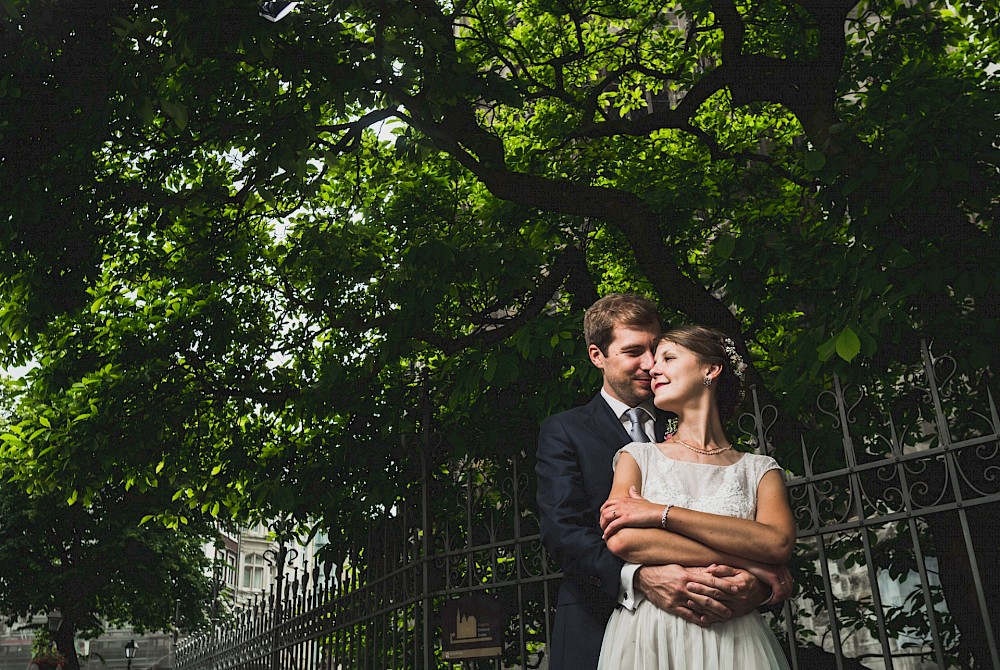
[719, 489]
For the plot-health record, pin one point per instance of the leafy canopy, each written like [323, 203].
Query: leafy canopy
[251, 259]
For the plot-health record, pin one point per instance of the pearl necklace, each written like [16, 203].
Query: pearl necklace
[706, 452]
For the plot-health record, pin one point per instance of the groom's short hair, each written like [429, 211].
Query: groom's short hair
[630, 310]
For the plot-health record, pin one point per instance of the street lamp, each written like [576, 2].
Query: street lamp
[130, 648]
[54, 619]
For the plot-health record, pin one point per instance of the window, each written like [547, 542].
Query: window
[253, 571]
[230, 568]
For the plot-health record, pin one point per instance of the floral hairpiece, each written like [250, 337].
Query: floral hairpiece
[739, 367]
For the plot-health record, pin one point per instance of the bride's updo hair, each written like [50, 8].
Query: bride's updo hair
[712, 347]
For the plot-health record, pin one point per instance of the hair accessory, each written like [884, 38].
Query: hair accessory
[739, 367]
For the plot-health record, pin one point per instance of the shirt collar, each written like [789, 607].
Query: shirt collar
[619, 408]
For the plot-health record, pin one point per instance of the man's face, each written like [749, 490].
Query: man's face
[627, 363]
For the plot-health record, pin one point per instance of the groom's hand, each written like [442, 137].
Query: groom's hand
[691, 593]
[745, 593]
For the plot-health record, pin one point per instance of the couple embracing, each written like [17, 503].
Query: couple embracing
[668, 543]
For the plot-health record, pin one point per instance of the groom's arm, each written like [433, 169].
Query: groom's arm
[568, 523]
[700, 596]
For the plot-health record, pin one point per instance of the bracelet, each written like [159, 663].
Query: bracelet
[663, 519]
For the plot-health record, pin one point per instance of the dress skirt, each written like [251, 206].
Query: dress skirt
[648, 638]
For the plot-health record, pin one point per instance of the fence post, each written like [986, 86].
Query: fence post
[283, 554]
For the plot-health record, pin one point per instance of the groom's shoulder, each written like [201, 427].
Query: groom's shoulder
[576, 413]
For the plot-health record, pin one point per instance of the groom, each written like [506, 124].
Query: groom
[575, 450]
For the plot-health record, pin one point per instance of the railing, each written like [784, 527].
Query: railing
[896, 565]
[892, 542]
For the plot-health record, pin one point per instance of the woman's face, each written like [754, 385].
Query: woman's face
[678, 376]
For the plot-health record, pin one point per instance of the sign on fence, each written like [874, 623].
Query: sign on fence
[470, 628]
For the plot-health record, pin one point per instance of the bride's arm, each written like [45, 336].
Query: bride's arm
[768, 538]
[635, 535]
[632, 527]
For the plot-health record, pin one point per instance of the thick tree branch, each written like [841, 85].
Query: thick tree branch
[527, 312]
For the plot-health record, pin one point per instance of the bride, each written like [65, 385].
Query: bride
[693, 500]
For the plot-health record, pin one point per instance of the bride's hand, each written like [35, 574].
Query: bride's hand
[631, 512]
[777, 577]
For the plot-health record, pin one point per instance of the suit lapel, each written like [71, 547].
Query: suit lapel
[659, 426]
[604, 425]
[608, 428]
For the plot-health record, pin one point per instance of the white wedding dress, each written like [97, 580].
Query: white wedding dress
[648, 638]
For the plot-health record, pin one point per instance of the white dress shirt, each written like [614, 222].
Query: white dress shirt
[628, 596]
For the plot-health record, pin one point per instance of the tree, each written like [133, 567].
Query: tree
[208, 245]
[97, 565]
[659, 129]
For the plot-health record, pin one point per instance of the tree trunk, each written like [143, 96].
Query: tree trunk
[958, 579]
[64, 643]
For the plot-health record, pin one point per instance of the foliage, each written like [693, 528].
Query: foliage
[96, 561]
[97, 565]
[250, 259]
[42, 651]
[233, 237]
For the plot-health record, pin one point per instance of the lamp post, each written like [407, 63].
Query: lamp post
[130, 648]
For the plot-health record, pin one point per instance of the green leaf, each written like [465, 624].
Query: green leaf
[11, 8]
[814, 161]
[827, 349]
[724, 246]
[491, 367]
[177, 112]
[848, 344]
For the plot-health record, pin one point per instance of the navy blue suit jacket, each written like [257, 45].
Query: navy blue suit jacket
[575, 451]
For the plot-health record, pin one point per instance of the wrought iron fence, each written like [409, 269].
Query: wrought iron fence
[896, 565]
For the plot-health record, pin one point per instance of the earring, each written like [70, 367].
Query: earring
[708, 380]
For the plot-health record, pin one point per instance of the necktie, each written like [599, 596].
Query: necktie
[635, 431]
